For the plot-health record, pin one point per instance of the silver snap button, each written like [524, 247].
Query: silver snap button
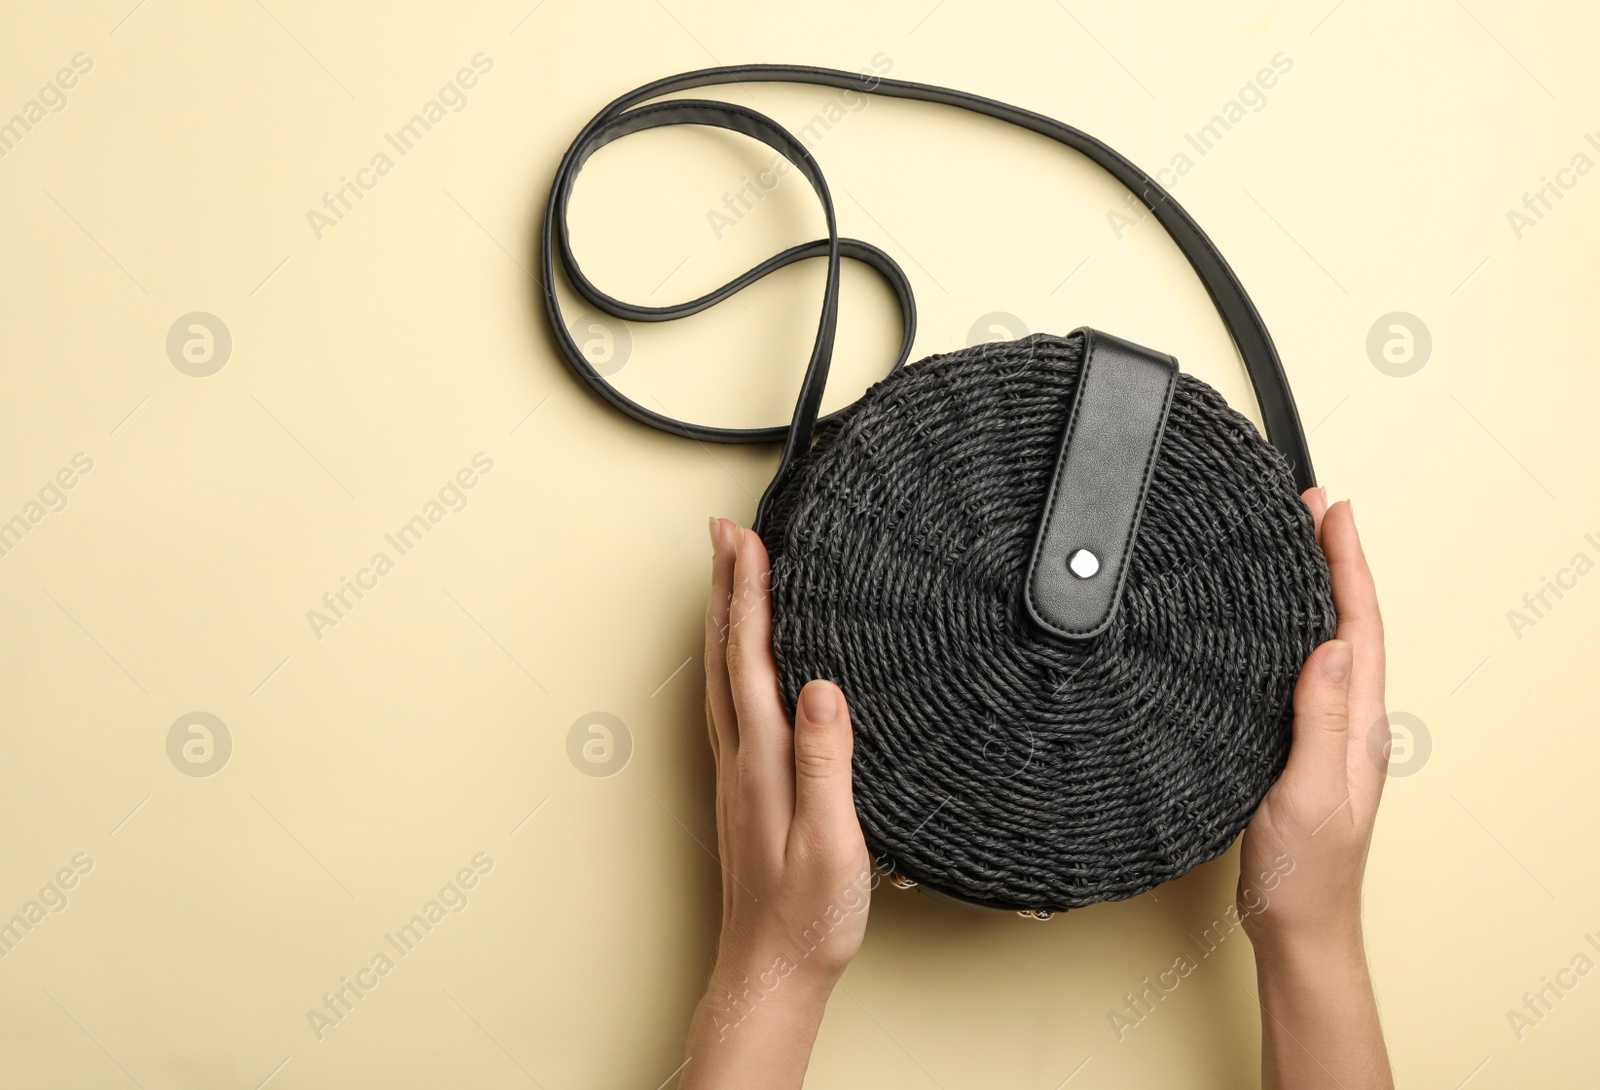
[1083, 563]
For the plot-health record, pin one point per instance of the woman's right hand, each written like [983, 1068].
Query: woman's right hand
[1305, 851]
[1306, 848]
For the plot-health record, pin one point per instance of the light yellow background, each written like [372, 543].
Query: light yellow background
[371, 364]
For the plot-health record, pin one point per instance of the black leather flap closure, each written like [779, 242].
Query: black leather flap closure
[1091, 516]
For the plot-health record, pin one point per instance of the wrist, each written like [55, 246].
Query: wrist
[754, 1026]
[1329, 955]
[774, 962]
[1326, 928]
[742, 989]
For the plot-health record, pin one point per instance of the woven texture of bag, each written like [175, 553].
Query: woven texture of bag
[995, 762]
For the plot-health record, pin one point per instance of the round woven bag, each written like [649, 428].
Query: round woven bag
[995, 762]
[1038, 725]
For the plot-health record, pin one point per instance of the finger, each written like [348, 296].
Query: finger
[824, 807]
[1316, 774]
[1316, 501]
[721, 808]
[721, 721]
[1360, 622]
[1353, 591]
[721, 724]
[766, 742]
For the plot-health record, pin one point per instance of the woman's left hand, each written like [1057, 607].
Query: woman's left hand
[796, 877]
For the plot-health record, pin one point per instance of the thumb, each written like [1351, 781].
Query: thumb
[1317, 769]
[824, 806]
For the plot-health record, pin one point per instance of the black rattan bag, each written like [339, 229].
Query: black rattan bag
[1066, 589]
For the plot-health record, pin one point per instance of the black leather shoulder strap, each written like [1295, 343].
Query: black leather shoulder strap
[635, 111]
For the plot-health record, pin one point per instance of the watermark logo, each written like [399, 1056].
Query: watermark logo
[1404, 749]
[739, 203]
[1252, 98]
[1252, 900]
[52, 900]
[199, 744]
[605, 342]
[50, 99]
[1539, 1003]
[997, 325]
[599, 744]
[1543, 198]
[199, 344]
[341, 1000]
[340, 602]
[1399, 344]
[49, 500]
[735, 1006]
[1007, 750]
[1537, 603]
[452, 98]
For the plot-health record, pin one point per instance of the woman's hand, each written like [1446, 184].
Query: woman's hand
[796, 878]
[1305, 851]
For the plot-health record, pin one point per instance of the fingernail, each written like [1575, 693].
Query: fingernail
[716, 534]
[1336, 662]
[1324, 493]
[819, 703]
